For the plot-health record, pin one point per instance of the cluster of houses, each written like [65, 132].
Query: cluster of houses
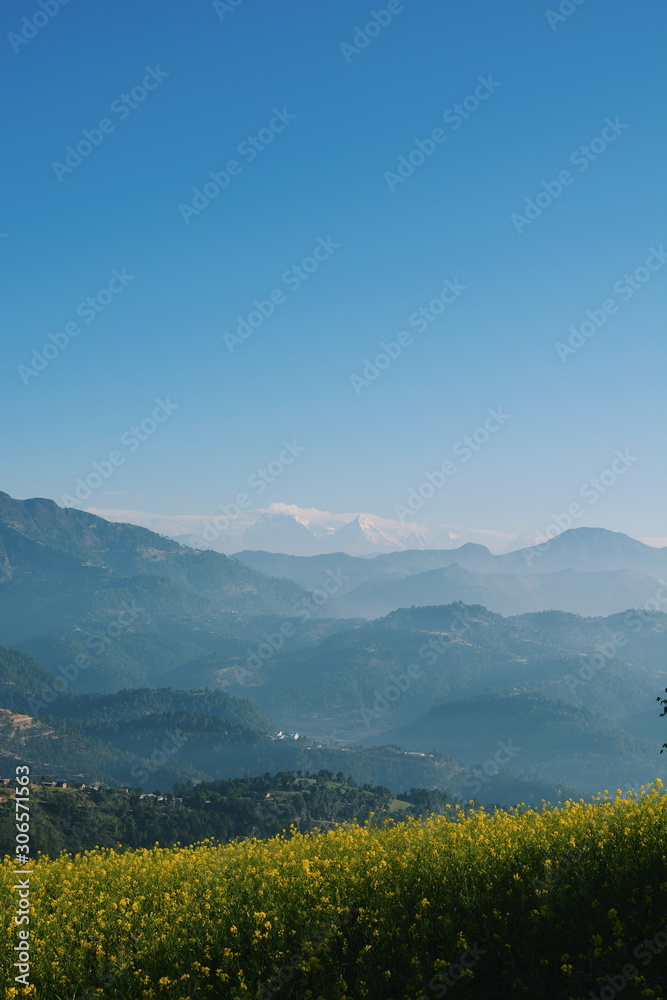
[82, 786]
[151, 797]
[65, 784]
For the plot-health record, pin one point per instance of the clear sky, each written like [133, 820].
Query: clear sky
[315, 104]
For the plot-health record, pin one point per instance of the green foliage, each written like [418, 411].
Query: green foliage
[78, 820]
[553, 903]
[137, 703]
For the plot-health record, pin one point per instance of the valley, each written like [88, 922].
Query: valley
[140, 638]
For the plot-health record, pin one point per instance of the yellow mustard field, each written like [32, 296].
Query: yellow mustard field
[564, 902]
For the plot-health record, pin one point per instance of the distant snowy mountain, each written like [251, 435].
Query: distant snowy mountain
[362, 537]
[279, 532]
[285, 533]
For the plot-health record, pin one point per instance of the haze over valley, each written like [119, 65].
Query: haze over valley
[442, 655]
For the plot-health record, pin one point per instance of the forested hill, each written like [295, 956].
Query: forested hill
[80, 819]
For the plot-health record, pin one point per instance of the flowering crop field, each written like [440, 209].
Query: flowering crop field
[560, 902]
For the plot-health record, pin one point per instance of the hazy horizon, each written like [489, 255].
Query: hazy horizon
[227, 534]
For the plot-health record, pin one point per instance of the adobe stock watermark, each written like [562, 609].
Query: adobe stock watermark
[224, 7]
[626, 288]
[364, 34]
[480, 774]
[645, 952]
[258, 481]
[130, 441]
[149, 766]
[88, 310]
[314, 941]
[401, 684]
[303, 611]
[292, 279]
[437, 645]
[591, 490]
[249, 148]
[453, 116]
[463, 449]
[566, 9]
[22, 850]
[121, 107]
[443, 981]
[557, 873]
[605, 652]
[419, 321]
[97, 643]
[31, 26]
[581, 158]
[392, 692]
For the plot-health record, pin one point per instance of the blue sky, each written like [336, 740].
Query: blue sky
[338, 121]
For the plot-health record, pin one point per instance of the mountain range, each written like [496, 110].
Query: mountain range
[569, 638]
[588, 571]
[132, 604]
